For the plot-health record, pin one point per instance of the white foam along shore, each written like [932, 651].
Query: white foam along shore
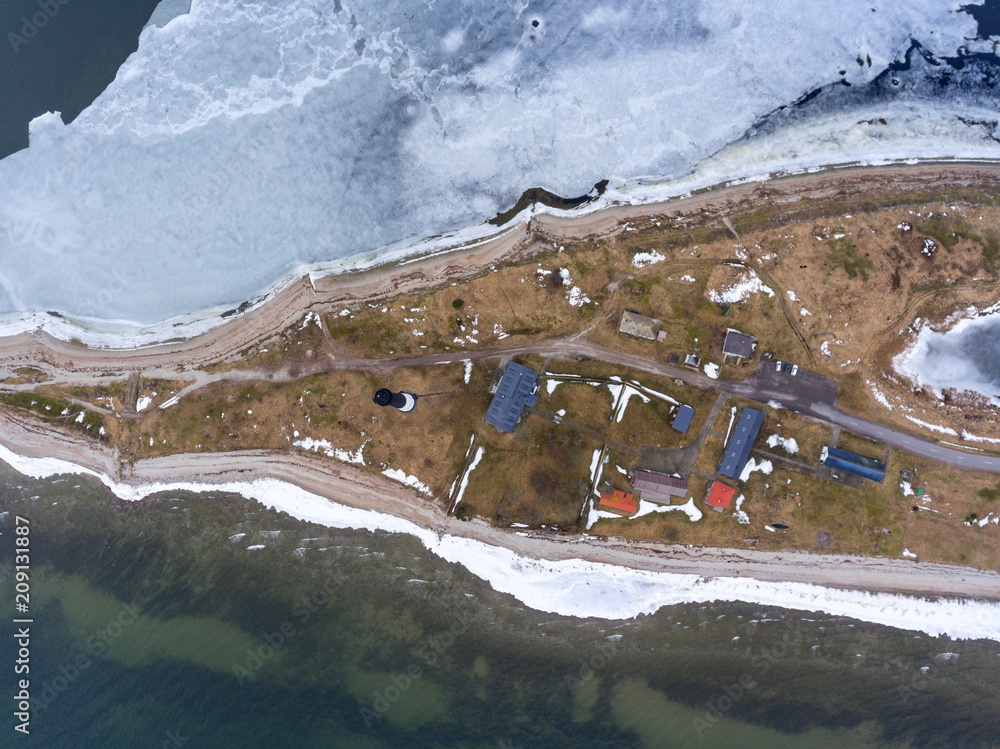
[577, 587]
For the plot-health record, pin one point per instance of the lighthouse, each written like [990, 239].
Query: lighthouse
[403, 402]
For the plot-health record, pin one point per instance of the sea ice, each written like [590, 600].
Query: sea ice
[244, 143]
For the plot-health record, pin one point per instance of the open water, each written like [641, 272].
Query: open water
[158, 619]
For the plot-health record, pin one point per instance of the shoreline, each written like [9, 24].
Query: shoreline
[415, 265]
[545, 571]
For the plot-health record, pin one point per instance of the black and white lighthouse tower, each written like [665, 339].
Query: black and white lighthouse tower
[403, 402]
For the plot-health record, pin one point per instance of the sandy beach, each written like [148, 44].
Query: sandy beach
[351, 486]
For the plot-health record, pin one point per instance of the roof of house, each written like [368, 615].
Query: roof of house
[619, 501]
[744, 433]
[657, 486]
[683, 419]
[638, 325]
[652, 478]
[722, 495]
[738, 344]
[856, 465]
[512, 396]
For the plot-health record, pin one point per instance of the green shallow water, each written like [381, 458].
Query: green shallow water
[153, 628]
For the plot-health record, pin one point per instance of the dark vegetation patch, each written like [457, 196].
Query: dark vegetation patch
[56, 410]
[843, 254]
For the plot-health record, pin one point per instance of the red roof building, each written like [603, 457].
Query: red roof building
[721, 496]
[619, 502]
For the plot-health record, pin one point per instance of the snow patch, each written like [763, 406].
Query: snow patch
[397, 475]
[330, 451]
[642, 259]
[789, 445]
[765, 467]
[747, 284]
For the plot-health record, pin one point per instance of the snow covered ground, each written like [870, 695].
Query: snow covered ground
[242, 143]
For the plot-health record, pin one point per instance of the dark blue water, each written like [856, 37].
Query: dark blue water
[152, 627]
[59, 55]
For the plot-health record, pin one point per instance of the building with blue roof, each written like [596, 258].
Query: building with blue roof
[682, 421]
[855, 465]
[738, 453]
[513, 395]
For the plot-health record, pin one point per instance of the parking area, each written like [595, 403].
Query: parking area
[805, 386]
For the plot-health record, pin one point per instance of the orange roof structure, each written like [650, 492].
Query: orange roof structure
[618, 501]
[721, 496]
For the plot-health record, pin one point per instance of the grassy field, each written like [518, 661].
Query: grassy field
[55, 410]
[860, 445]
[540, 475]
[810, 436]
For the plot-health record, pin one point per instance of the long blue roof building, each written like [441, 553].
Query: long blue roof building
[738, 452]
[513, 395]
[856, 465]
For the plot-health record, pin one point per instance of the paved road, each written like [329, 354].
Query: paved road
[806, 393]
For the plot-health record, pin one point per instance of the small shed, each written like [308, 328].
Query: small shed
[682, 421]
[658, 487]
[738, 346]
[639, 326]
[692, 361]
[619, 502]
[721, 496]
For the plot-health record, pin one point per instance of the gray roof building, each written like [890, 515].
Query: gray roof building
[657, 487]
[513, 395]
[738, 345]
[640, 326]
[738, 452]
